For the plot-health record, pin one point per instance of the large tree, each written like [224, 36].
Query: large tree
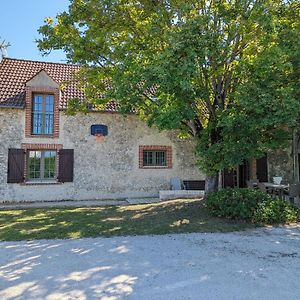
[215, 70]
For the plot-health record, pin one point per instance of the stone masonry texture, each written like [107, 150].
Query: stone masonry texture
[109, 169]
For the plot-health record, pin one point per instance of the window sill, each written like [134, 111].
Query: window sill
[44, 182]
[155, 167]
[45, 136]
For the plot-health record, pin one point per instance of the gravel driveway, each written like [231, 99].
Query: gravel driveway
[256, 264]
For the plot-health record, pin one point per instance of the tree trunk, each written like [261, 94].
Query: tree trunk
[211, 184]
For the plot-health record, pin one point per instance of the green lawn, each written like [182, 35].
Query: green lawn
[176, 216]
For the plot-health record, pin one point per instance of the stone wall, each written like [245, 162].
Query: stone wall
[101, 170]
[281, 163]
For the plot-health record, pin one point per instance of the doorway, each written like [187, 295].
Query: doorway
[262, 169]
[236, 177]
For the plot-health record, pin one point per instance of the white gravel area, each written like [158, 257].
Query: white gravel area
[255, 264]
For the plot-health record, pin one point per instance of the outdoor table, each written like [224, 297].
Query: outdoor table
[277, 187]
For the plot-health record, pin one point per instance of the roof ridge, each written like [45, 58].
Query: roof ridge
[39, 61]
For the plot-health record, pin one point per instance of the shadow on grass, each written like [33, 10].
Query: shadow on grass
[178, 216]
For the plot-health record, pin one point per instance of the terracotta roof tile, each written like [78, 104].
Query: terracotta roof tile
[14, 73]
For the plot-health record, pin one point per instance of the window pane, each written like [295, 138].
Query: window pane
[37, 103]
[49, 164]
[160, 158]
[34, 164]
[154, 158]
[48, 124]
[37, 123]
[148, 158]
[49, 103]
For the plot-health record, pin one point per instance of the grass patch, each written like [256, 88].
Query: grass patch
[178, 216]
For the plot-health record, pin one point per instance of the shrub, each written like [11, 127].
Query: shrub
[251, 205]
[276, 211]
[235, 203]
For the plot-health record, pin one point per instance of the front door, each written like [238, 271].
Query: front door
[262, 169]
[229, 178]
[237, 176]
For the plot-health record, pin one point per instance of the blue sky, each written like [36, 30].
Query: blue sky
[19, 21]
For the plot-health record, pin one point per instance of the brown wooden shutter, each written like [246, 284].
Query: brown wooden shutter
[66, 165]
[15, 169]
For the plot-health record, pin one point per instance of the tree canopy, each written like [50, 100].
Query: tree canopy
[222, 71]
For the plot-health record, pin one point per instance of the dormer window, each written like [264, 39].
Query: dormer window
[42, 114]
[42, 107]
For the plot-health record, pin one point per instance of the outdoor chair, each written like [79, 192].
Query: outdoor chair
[262, 187]
[293, 193]
[276, 180]
[176, 184]
[252, 184]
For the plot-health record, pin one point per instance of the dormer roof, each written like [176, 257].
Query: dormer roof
[42, 79]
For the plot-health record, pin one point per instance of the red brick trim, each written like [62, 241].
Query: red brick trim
[28, 110]
[27, 147]
[168, 150]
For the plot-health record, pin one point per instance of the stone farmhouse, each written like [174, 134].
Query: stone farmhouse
[48, 155]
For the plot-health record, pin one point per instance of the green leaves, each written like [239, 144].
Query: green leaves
[251, 205]
[226, 72]
[236, 203]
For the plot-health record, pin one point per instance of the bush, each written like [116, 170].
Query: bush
[235, 203]
[276, 211]
[251, 205]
